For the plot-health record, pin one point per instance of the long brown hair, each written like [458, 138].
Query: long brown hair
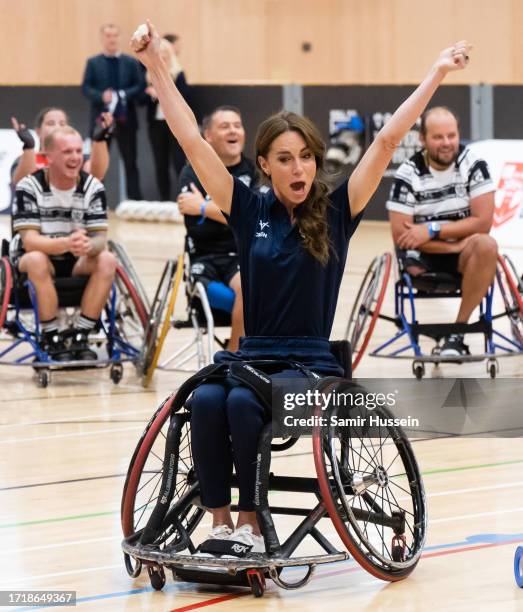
[311, 215]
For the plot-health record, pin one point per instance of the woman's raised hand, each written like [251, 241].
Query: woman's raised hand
[455, 57]
[145, 42]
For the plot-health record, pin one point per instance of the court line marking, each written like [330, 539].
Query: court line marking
[438, 551]
[108, 513]
[59, 482]
[76, 421]
[507, 485]
[75, 434]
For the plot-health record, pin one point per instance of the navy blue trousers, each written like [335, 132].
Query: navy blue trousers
[226, 423]
[227, 419]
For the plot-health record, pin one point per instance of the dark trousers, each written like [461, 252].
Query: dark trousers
[166, 151]
[226, 422]
[126, 138]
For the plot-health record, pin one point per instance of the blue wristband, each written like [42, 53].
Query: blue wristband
[202, 212]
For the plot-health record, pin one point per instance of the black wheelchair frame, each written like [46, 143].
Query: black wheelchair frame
[356, 486]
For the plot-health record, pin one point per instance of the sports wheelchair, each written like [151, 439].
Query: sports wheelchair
[366, 311]
[369, 487]
[120, 328]
[205, 313]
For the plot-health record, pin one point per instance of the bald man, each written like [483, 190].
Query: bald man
[440, 208]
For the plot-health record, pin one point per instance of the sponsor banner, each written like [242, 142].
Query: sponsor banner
[505, 160]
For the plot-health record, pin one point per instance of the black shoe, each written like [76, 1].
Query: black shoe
[53, 344]
[454, 346]
[80, 346]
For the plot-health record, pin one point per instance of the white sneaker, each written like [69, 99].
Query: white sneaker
[221, 532]
[244, 535]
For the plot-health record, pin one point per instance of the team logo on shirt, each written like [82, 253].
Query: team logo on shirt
[261, 233]
[77, 215]
[461, 191]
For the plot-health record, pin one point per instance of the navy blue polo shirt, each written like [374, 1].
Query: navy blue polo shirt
[286, 291]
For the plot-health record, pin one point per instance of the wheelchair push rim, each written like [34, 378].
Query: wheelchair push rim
[392, 494]
[6, 285]
[367, 306]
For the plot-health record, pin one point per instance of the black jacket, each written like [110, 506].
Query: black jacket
[98, 78]
[151, 105]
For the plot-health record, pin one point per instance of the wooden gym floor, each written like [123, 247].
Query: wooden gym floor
[64, 452]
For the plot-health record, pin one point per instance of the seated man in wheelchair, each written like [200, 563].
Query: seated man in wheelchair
[440, 207]
[60, 225]
[210, 242]
[293, 242]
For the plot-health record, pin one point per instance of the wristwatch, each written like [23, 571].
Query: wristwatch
[434, 230]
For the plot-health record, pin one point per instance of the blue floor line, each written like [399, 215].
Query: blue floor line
[481, 538]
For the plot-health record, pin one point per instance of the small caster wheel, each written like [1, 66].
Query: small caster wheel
[257, 582]
[156, 576]
[492, 370]
[133, 571]
[418, 369]
[42, 378]
[116, 373]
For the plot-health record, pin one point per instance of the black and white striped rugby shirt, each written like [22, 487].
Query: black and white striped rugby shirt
[430, 195]
[36, 207]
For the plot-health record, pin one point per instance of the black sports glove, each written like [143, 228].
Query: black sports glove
[26, 137]
[101, 133]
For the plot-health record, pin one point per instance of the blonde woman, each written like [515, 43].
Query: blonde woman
[165, 147]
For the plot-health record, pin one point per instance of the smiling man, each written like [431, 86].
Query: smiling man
[209, 241]
[60, 225]
[441, 207]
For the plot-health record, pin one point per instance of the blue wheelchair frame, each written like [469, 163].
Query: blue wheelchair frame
[118, 349]
[497, 344]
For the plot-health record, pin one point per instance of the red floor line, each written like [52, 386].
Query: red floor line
[217, 600]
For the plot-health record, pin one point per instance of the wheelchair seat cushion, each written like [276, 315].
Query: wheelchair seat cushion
[70, 291]
[437, 282]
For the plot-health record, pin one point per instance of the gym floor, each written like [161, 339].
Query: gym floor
[64, 452]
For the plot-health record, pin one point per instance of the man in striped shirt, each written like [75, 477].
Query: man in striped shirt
[60, 225]
[441, 206]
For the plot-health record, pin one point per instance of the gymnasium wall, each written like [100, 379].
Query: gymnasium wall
[260, 41]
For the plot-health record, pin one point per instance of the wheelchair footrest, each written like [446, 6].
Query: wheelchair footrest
[174, 560]
[440, 330]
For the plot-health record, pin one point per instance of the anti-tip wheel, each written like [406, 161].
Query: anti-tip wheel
[156, 576]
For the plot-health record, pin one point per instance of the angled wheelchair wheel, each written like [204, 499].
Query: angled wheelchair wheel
[145, 473]
[6, 285]
[373, 492]
[367, 306]
[166, 324]
[126, 263]
[162, 323]
[131, 314]
[511, 292]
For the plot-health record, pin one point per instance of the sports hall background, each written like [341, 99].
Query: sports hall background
[364, 55]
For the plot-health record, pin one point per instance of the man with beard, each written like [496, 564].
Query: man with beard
[210, 242]
[440, 207]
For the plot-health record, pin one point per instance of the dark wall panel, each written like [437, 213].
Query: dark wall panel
[367, 100]
[25, 102]
[508, 111]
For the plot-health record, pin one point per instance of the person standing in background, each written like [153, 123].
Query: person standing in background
[112, 82]
[165, 147]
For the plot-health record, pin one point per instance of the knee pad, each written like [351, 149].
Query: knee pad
[220, 296]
